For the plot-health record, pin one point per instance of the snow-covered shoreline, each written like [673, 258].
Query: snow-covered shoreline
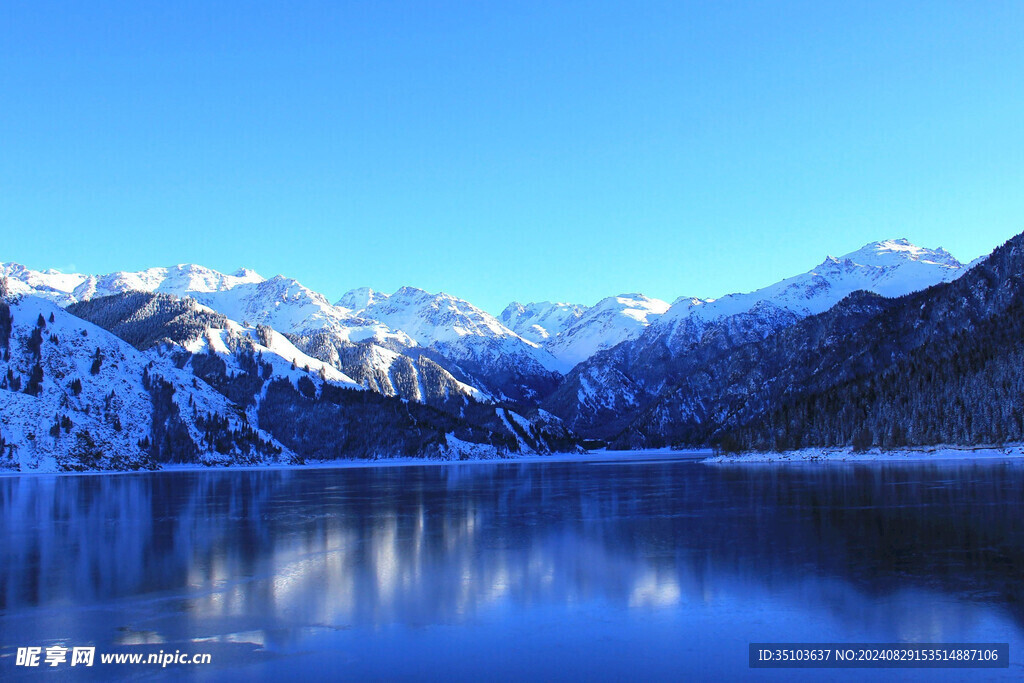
[599, 456]
[804, 456]
[915, 454]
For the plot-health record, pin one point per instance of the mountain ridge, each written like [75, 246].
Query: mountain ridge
[570, 332]
[537, 375]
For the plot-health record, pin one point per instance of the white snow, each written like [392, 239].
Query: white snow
[546, 336]
[890, 268]
[408, 318]
[574, 333]
[280, 353]
[68, 348]
[915, 454]
[542, 320]
[610, 322]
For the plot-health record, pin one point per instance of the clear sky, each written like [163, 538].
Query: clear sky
[515, 150]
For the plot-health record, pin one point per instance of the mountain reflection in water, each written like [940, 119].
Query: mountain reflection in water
[298, 561]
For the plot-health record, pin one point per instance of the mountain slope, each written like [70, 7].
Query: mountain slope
[605, 393]
[608, 323]
[152, 320]
[273, 355]
[481, 355]
[930, 365]
[487, 353]
[280, 303]
[890, 268]
[74, 396]
[310, 405]
[541, 321]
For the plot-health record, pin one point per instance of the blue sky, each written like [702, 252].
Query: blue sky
[527, 150]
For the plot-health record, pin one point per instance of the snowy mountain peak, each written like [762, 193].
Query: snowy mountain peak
[430, 318]
[556, 335]
[247, 274]
[50, 284]
[636, 306]
[514, 310]
[358, 300]
[189, 277]
[891, 268]
[457, 330]
[282, 289]
[611, 321]
[17, 271]
[542, 320]
[893, 252]
[693, 301]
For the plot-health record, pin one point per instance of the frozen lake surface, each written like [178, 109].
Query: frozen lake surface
[604, 570]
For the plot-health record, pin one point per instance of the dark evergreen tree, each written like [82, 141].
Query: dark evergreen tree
[35, 344]
[6, 325]
[35, 381]
[146, 320]
[937, 366]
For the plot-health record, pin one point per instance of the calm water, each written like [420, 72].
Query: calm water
[603, 571]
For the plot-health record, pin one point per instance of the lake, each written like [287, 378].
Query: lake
[605, 570]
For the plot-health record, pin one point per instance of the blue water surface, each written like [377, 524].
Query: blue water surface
[656, 570]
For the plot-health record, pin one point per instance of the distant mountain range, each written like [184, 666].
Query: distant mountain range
[282, 373]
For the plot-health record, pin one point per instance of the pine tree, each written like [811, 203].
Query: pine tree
[35, 343]
[6, 325]
[35, 381]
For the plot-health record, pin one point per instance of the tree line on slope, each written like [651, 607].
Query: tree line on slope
[935, 366]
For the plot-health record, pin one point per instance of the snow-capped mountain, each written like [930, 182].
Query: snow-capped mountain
[245, 296]
[180, 280]
[427, 318]
[490, 354]
[410, 375]
[440, 350]
[280, 303]
[66, 288]
[48, 284]
[940, 365]
[288, 306]
[610, 322]
[554, 335]
[359, 299]
[603, 392]
[540, 321]
[890, 268]
[481, 354]
[74, 396]
[147, 320]
[137, 380]
[573, 333]
[197, 329]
